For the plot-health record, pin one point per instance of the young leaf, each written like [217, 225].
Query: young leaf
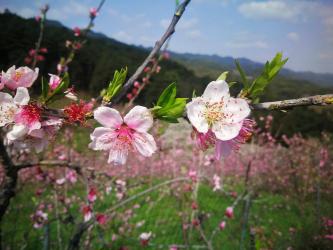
[45, 89]
[223, 76]
[271, 69]
[168, 96]
[242, 74]
[115, 85]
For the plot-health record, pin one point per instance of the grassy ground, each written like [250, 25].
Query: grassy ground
[277, 222]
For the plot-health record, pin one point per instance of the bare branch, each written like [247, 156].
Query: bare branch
[319, 100]
[170, 30]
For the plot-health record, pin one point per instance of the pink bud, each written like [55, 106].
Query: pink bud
[147, 69]
[136, 84]
[129, 96]
[101, 219]
[194, 205]
[77, 31]
[222, 225]
[27, 60]
[166, 55]
[93, 12]
[158, 69]
[38, 18]
[145, 80]
[43, 50]
[32, 52]
[92, 195]
[134, 91]
[229, 212]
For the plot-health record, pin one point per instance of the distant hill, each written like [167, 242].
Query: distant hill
[212, 64]
[94, 65]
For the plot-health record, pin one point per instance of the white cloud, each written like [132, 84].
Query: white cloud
[123, 36]
[278, 9]
[194, 33]
[293, 36]
[247, 44]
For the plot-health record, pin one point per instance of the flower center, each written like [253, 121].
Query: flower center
[214, 112]
[18, 76]
[30, 113]
[125, 134]
[7, 113]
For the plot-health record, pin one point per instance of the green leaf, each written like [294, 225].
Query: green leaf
[223, 76]
[168, 107]
[271, 69]
[177, 3]
[115, 85]
[168, 96]
[45, 89]
[242, 74]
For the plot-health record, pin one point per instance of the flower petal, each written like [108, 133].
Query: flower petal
[108, 117]
[145, 144]
[216, 90]
[5, 98]
[17, 132]
[139, 118]
[118, 157]
[22, 96]
[225, 131]
[236, 110]
[195, 113]
[102, 138]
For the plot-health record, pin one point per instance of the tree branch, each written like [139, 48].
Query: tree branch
[170, 30]
[10, 179]
[319, 100]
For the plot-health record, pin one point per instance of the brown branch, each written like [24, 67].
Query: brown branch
[10, 179]
[319, 100]
[170, 30]
[41, 34]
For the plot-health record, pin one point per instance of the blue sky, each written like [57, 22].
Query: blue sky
[256, 29]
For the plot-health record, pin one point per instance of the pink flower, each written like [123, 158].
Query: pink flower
[101, 219]
[173, 248]
[21, 77]
[144, 238]
[120, 135]
[39, 218]
[93, 12]
[77, 31]
[71, 176]
[92, 195]
[193, 175]
[9, 106]
[217, 111]
[38, 139]
[54, 81]
[222, 225]
[217, 182]
[87, 213]
[329, 237]
[229, 212]
[77, 112]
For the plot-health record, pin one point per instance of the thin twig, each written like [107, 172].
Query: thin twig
[170, 30]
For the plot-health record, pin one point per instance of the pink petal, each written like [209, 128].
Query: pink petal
[145, 144]
[216, 90]
[225, 131]
[195, 113]
[139, 118]
[237, 109]
[108, 117]
[118, 157]
[22, 96]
